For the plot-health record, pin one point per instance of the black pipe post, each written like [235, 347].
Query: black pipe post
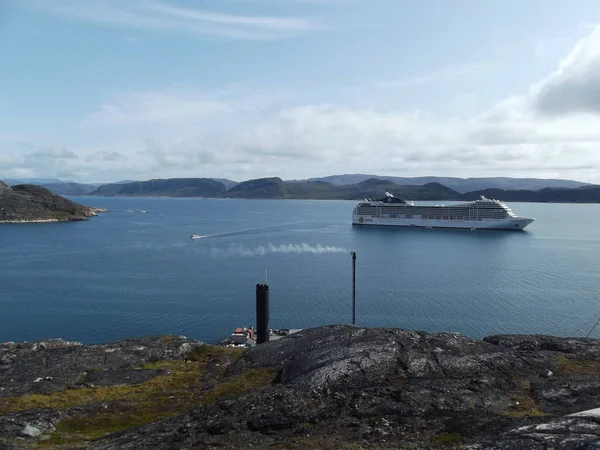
[262, 313]
[353, 288]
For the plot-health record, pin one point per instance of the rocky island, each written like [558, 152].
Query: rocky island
[28, 203]
[328, 387]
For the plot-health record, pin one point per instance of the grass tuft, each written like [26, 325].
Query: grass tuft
[205, 352]
[449, 439]
[577, 366]
[523, 404]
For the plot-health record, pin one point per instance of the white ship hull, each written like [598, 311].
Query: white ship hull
[512, 223]
[482, 214]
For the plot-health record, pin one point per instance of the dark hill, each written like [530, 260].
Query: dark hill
[376, 188]
[259, 188]
[507, 196]
[171, 187]
[228, 183]
[30, 203]
[584, 194]
[317, 190]
[320, 190]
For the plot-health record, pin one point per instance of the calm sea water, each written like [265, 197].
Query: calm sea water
[135, 271]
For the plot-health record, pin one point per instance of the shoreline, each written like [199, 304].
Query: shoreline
[93, 212]
[31, 221]
[315, 199]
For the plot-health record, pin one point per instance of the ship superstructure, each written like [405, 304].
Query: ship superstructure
[483, 213]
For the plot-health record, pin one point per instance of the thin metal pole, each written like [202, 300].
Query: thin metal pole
[595, 325]
[353, 288]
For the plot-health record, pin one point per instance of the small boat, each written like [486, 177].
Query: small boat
[195, 236]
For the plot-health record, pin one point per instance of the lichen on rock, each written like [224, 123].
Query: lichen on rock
[327, 387]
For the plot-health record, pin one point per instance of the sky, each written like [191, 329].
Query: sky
[106, 90]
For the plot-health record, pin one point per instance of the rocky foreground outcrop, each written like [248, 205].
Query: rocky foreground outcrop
[327, 387]
[30, 203]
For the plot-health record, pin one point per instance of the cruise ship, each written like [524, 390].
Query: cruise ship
[479, 214]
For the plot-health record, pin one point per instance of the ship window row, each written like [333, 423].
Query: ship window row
[416, 211]
[433, 213]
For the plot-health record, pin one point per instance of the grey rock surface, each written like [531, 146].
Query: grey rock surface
[30, 431]
[337, 386]
[21, 424]
[56, 365]
[572, 432]
[389, 388]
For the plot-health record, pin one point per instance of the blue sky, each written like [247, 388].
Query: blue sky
[103, 90]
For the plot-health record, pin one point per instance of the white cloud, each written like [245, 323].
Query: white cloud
[162, 16]
[575, 86]
[157, 108]
[552, 130]
[267, 23]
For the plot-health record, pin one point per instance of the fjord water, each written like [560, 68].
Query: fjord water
[135, 271]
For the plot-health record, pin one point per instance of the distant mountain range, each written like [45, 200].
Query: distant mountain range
[70, 188]
[462, 185]
[339, 187]
[321, 190]
[459, 184]
[60, 187]
[276, 188]
[35, 181]
[584, 194]
[171, 187]
[376, 188]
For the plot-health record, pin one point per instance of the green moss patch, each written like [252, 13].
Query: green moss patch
[188, 384]
[575, 366]
[522, 404]
[205, 352]
[449, 439]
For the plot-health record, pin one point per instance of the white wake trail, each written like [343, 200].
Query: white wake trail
[261, 250]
